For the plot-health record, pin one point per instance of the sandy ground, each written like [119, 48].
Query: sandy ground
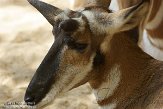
[25, 37]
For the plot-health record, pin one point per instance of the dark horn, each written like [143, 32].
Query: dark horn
[47, 10]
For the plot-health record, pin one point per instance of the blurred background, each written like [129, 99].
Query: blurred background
[25, 38]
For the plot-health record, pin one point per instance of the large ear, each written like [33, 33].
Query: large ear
[127, 19]
[47, 10]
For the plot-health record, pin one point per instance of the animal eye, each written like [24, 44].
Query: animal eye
[74, 45]
[80, 47]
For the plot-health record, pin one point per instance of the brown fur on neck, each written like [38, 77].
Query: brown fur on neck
[141, 75]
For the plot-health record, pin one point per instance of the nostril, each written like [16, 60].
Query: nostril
[29, 99]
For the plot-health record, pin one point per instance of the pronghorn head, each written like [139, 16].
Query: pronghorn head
[77, 49]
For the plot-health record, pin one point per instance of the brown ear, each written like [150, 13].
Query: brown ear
[47, 10]
[127, 19]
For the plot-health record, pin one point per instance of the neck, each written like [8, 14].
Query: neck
[127, 77]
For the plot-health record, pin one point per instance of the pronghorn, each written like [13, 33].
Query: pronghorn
[97, 46]
[152, 42]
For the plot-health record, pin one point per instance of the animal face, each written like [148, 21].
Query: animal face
[68, 62]
[78, 47]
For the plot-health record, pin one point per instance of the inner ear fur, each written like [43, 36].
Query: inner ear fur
[129, 18]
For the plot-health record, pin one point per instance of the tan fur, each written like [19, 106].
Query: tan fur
[153, 24]
[78, 4]
[127, 3]
[136, 67]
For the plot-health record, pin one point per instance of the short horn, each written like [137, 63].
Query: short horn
[47, 10]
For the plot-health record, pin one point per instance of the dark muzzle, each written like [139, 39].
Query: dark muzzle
[44, 77]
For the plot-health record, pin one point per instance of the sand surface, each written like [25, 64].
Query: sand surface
[25, 38]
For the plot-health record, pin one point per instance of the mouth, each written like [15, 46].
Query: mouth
[30, 101]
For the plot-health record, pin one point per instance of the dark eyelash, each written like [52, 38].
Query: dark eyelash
[73, 45]
[79, 46]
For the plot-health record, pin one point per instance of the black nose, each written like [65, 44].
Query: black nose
[29, 100]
